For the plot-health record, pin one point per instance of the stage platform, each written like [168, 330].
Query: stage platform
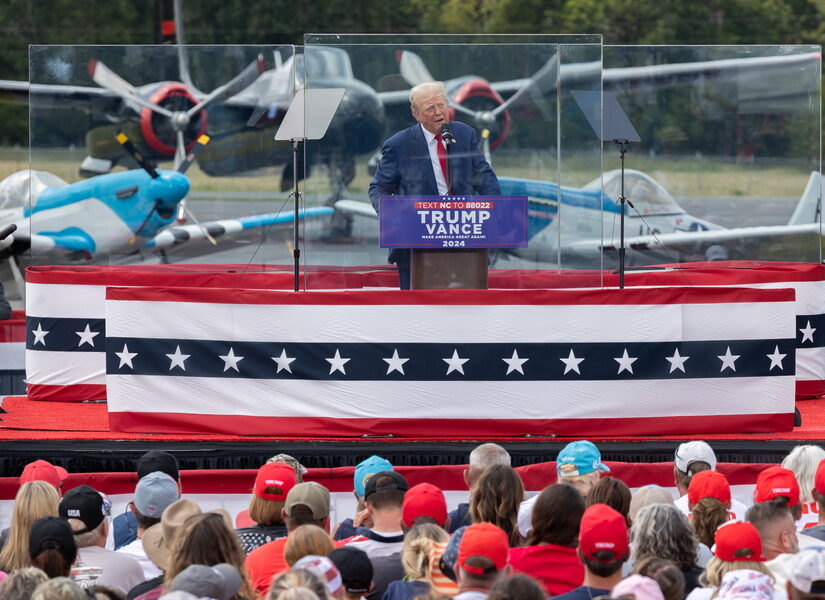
[77, 436]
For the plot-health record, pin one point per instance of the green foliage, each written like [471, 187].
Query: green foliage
[669, 22]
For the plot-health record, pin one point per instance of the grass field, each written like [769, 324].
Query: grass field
[681, 176]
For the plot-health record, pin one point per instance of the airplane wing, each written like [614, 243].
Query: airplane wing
[647, 76]
[802, 242]
[46, 95]
[181, 234]
[354, 207]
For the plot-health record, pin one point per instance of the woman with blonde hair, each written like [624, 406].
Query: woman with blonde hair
[803, 461]
[34, 500]
[307, 540]
[208, 539]
[415, 558]
[496, 498]
[738, 546]
[298, 584]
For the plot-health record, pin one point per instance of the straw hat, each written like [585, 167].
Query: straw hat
[159, 539]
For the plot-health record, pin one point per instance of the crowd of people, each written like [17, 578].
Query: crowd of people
[584, 537]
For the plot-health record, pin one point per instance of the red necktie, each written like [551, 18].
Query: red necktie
[442, 159]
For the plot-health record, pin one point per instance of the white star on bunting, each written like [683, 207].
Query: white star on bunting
[178, 359]
[677, 361]
[807, 333]
[625, 362]
[230, 361]
[776, 359]
[125, 357]
[514, 363]
[283, 361]
[39, 335]
[728, 360]
[455, 363]
[571, 363]
[87, 336]
[394, 363]
[336, 363]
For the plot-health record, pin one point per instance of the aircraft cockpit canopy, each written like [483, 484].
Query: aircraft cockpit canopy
[647, 195]
[23, 188]
[323, 62]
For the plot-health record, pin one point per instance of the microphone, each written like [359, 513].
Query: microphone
[446, 134]
[7, 231]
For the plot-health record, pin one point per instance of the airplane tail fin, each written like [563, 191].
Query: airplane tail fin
[809, 208]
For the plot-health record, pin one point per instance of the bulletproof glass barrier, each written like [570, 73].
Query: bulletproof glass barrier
[729, 162]
[515, 91]
[159, 154]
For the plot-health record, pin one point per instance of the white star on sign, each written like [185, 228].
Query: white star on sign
[571, 363]
[178, 359]
[394, 363]
[677, 361]
[39, 335]
[514, 363]
[283, 361]
[728, 360]
[625, 362]
[230, 361]
[776, 359]
[808, 333]
[87, 336]
[336, 363]
[125, 357]
[455, 363]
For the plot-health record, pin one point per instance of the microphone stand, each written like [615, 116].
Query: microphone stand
[622, 201]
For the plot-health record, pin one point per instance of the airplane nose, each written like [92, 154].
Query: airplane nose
[170, 188]
[359, 119]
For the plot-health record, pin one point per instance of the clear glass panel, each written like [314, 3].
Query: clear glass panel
[506, 85]
[108, 210]
[729, 161]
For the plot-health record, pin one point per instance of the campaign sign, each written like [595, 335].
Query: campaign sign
[453, 222]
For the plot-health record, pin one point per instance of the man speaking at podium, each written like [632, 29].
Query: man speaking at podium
[418, 162]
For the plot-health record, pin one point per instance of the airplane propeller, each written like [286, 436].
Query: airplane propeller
[181, 168]
[179, 120]
[414, 71]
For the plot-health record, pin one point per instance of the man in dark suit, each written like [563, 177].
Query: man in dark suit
[417, 162]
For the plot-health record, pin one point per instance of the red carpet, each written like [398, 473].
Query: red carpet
[38, 420]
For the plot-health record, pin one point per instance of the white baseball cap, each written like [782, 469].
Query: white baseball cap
[808, 571]
[691, 452]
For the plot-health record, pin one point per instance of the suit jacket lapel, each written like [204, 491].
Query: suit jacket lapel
[420, 149]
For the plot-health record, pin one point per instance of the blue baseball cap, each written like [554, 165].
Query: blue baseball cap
[579, 458]
[367, 468]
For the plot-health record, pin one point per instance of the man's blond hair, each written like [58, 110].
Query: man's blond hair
[426, 90]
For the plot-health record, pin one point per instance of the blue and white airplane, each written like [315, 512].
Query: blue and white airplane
[117, 213]
[580, 226]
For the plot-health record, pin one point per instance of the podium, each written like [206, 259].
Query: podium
[447, 268]
[449, 236]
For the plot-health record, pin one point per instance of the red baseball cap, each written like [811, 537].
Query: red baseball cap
[774, 482]
[277, 475]
[819, 477]
[487, 540]
[43, 470]
[603, 528]
[424, 500]
[708, 484]
[736, 541]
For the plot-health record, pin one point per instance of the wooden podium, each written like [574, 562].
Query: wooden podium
[448, 268]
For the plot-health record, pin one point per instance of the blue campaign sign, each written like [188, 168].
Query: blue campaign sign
[453, 222]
